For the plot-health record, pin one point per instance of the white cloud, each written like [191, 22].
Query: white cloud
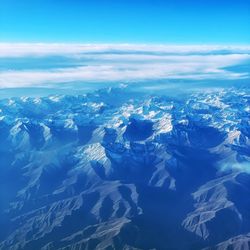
[45, 49]
[239, 167]
[123, 62]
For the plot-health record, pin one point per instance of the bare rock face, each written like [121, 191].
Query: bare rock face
[217, 203]
[239, 242]
[121, 170]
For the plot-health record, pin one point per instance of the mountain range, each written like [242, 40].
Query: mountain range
[122, 169]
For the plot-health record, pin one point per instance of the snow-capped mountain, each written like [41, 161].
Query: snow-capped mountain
[117, 169]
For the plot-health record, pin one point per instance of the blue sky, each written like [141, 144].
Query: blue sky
[132, 21]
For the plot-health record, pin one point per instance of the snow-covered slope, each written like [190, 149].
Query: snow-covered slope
[116, 169]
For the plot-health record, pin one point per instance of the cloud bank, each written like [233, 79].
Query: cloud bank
[116, 62]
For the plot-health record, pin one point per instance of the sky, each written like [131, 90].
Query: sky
[71, 43]
[126, 21]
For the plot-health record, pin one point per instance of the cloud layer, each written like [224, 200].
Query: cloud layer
[118, 62]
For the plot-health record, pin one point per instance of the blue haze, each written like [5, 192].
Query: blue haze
[128, 142]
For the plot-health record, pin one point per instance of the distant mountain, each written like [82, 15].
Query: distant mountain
[117, 169]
